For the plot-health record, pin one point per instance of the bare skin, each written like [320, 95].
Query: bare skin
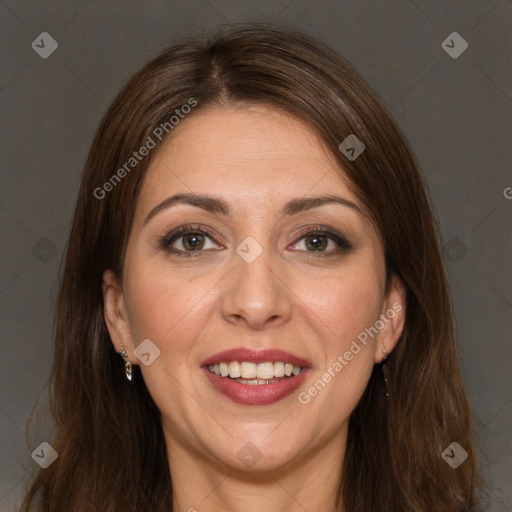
[304, 294]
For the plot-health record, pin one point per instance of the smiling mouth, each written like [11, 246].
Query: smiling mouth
[254, 374]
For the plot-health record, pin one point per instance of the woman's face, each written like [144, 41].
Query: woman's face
[262, 268]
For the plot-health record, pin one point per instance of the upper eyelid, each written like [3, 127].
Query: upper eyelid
[329, 233]
[187, 230]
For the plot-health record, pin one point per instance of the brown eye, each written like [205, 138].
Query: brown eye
[188, 240]
[323, 241]
[316, 242]
[193, 242]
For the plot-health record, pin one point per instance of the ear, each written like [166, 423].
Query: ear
[393, 317]
[116, 316]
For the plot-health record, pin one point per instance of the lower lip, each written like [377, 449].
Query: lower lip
[259, 394]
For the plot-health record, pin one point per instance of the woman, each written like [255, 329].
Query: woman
[254, 313]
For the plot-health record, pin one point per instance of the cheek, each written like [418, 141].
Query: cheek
[171, 310]
[168, 308]
[343, 305]
[343, 308]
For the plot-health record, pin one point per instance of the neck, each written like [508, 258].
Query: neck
[308, 482]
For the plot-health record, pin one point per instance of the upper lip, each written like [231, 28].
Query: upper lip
[252, 355]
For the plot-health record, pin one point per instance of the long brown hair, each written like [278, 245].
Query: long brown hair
[109, 438]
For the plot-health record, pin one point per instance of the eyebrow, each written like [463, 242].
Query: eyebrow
[219, 206]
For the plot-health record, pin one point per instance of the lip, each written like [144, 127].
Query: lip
[256, 356]
[264, 394]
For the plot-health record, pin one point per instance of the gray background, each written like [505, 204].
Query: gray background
[456, 112]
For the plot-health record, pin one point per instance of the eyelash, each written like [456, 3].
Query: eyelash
[340, 240]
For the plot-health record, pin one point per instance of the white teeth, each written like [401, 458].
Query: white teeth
[261, 373]
[248, 370]
[265, 371]
[234, 369]
[279, 369]
[255, 382]
[224, 369]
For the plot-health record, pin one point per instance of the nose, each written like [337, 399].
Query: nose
[256, 295]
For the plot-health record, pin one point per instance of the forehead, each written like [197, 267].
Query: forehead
[251, 153]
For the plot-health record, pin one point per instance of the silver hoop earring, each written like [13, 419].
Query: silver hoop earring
[128, 370]
[385, 371]
[127, 364]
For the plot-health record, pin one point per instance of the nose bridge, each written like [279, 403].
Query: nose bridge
[256, 292]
